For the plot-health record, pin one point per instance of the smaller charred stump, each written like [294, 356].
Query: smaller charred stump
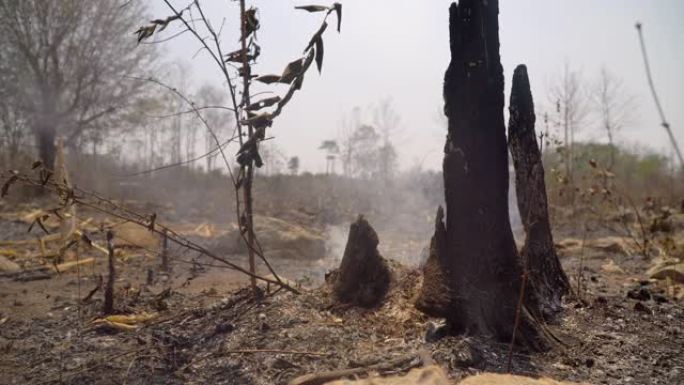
[364, 275]
[546, 275]
[435, 296]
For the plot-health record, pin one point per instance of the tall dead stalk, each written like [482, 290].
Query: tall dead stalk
[663, 121]
[250, 117]
[247, 189]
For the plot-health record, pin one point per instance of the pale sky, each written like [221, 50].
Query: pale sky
[399, 49]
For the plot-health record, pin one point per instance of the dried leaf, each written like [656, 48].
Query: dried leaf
[268, 79]
[313, 8]
[319, 54]
[145, 32]
[252, 23]
[235, 56]
[291, 72]
[338, 10]
[263, 103]
[258, 121]
[6, 186]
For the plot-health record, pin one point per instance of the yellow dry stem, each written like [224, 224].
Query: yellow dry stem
[9, 253]
[132, 319]
[43, 252]
[62, 267]
[114, 325]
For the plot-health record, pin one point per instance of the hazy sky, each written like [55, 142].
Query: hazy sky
[399, 49]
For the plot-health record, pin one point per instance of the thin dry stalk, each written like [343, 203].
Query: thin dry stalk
[663, 121]
[165, 251]
[109, 289]
[580, 269]
[247, 189]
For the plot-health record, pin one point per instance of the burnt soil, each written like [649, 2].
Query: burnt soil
[210, 329]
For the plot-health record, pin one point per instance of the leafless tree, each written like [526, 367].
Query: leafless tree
[12, 122]
[368, 149]
[387, 120]
[293, 165]
[275, 160]
[366, 157]
[572, 109]
[71, 55]
[332, 150]
[614, 107]
[349, 125]
[213, 97]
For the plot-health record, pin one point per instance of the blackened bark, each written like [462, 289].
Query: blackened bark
[545, 272]
[364, 276]
[481, 261]
[434, 298]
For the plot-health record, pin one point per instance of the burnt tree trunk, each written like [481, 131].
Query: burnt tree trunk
[544, 270]
[45, 137]
[480, 262]
[364, 276]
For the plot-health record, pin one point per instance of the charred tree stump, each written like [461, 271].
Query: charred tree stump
[364, 276]
[544, 270]
[480, 261]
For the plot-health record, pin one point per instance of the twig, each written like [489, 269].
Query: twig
[92, 292]
[251, 351]
[324, 377]
[107, 361]
[518, 310]
[277, 351]
[167, 166]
